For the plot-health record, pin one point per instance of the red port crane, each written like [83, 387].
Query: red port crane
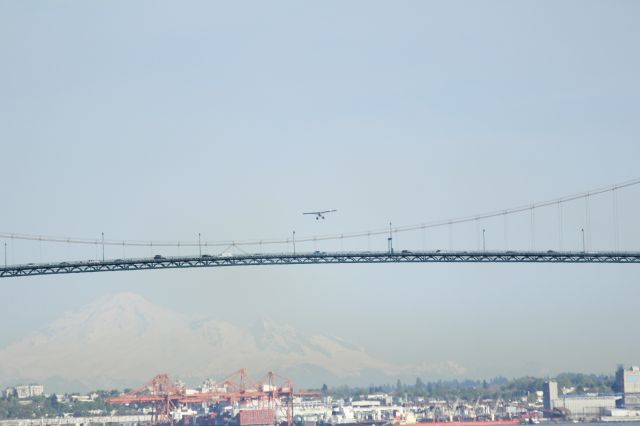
[271, 391]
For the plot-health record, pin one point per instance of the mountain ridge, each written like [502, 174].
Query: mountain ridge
[123, 340]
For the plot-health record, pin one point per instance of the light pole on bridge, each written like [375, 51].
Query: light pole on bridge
[484, 247]
[103, 246]
[584, 248]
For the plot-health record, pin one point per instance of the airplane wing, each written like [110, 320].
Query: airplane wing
[321, 212]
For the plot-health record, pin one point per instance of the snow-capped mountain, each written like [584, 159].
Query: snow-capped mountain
[123, 340]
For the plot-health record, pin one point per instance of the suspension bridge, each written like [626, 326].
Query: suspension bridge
[593, 222]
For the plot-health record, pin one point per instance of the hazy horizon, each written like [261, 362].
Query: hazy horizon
[95, 334]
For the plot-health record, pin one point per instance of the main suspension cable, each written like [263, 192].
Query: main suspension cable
[343, 236]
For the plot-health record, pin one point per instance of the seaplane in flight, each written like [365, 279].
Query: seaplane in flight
[320, 215]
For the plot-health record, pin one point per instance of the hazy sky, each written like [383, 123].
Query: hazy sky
[159, 120]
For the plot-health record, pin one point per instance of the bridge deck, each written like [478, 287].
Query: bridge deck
[206, 261]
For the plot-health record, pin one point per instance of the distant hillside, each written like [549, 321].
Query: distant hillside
[123, 340]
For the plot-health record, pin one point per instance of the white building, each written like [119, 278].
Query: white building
[576, 406]
[26, 391]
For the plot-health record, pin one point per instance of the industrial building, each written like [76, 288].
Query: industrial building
[576, 406]
[628, 382]
[549, 390]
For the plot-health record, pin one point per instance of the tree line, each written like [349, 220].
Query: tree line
[471, 390]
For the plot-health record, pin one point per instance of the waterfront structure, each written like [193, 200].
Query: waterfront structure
[628, 382]
[549, 393]
[75, 421]
[576, 406]
[585, 406]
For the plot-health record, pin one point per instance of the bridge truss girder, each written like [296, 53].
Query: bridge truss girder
[319, 258]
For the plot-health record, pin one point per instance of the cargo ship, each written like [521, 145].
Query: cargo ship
[426, 423]
[466, 423]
